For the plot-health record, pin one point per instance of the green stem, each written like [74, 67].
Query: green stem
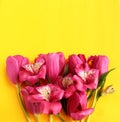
[93, 105]
[51, 119]
[58, 115]
[21, 104]
[37, 117]
[90, 95]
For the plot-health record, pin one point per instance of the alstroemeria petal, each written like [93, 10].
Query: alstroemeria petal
[56, 93]
[50, 108]
[93, 78]
[42, 72]
[89, 77]
[31, 104]
[74, 61]
[26, 76]
[78, 83]
[82, 57]
[36, 98]
[69, 91]
[40, 59]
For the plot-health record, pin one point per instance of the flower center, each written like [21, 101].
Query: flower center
[45, 92]
[85, 74]
[33, 68]
[36, 67]
[67, 81]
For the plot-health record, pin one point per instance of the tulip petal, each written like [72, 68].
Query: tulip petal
[52, 65]
[50, 108]
[81, 114]
[73, 103]
[99, 62]
[61, 61]
[12, 69]
[83, 100]
[21, 60]
[78, 83]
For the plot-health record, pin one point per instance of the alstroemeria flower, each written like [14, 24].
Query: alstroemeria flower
[55, 63]
[75, 61]
[13, 66]
[70, 84]
[99, 62]
[31, 105]
[76, 106]
[89, 76]
[46, 98]
[34, 71]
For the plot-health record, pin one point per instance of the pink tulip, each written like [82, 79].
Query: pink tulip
[33, 72]
[13, 66]
[75, 61]
[55, 63]
[43, 99]
[76, 106]
[99, 62]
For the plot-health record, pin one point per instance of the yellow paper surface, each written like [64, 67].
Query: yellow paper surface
[30, 27]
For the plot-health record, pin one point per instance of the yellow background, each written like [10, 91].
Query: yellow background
[30, 27]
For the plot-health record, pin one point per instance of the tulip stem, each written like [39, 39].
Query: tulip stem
[51, 118]
[21, 103]
[37, 117]
[58, 115]
[93, 104]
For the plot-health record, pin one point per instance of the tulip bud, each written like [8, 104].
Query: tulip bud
[108, 90]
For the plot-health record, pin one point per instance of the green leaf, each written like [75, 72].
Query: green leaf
[65, 70]
[102, 82]
[91, 94]
[103, 78]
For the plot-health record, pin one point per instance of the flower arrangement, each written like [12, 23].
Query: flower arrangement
[52, 83]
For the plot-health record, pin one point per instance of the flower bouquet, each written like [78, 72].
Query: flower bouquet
[53, 83]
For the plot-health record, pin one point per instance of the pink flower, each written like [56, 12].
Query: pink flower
[13, 66]
[99, 62]
[31, 105]
[70, 84]
[89, 77]
[76, 106]
[33, 72]
[79, 66]
[55, 63]
[75, 61]
[43, 99]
